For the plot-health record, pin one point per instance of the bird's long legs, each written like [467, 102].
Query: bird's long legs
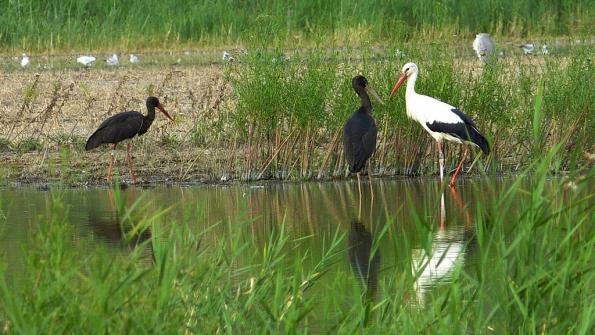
[370, 177]
[441, 160]
[454, 176]
[111, 164]
[359, 189]
[130, 163]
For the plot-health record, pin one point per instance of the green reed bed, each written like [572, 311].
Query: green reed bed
[104, 24]
[278, 113]
[534, 273]
[289, 113]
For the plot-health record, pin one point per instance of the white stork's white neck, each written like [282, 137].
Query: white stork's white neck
[409, 94]
[411, 84]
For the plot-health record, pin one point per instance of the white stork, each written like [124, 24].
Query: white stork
[441, 120]
[484, 46]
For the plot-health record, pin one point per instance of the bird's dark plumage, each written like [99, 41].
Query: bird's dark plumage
[359, 132]
[123, 126]
[365, 268]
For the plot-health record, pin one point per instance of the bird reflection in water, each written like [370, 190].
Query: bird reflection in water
[364, 261]
[118, 229]
[450, 246]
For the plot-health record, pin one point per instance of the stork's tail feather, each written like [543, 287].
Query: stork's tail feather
[93, 142]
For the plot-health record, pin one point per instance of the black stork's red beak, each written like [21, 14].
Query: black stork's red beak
[398, 84]
[164, 112]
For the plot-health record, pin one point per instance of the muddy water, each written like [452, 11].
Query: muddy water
[428, 217]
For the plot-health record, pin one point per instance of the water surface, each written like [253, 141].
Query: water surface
[436, 224]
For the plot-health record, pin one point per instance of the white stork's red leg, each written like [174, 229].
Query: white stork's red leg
[130, 164]
[441, 160]
[111, 164]
[453, 180]
[442, 212]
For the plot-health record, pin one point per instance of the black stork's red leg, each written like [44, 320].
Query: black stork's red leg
[130, 163]
[111, 163]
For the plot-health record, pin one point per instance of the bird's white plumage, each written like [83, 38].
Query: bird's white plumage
[227, 57]
[85, 60]
[447, 253]
[112, 60]
[425, 109]
[134, 59]
[484, 46]
[24, 61]
[527, 48]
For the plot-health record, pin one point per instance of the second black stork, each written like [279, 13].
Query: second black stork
[359, 132]
[123, 126]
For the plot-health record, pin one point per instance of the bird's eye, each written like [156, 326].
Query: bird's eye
[406, 70]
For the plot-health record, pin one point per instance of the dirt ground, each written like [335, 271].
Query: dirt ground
[47, 116]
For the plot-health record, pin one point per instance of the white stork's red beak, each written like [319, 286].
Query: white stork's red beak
[164, 112]
[398, 84]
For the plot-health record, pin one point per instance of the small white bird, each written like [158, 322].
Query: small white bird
[85, 60]
[441, 120]
[484, 46]
[544, 49]
[25, 61]
[113, 60]
[134, 59]
[227, 57]
[400, 54]
[527, 48]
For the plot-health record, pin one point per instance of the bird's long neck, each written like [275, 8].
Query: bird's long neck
[363, 95]
[411, 85]
[150, 113]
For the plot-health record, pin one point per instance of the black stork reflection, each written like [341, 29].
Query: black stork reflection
[123, 126]
[359, 132]
[117, 229]
[363, 263]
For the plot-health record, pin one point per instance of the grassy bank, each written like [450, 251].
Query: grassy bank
[533, 272]
[278, 115]
[38, 27]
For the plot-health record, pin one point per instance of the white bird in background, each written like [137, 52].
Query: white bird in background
[484, 46]
[113, 60]
[441, 120]
[227, 57]
[85, 60]
[544, 49]
[527, 48]
[24, 61]
[134, 59]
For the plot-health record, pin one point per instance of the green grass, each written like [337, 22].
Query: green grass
[534, 273]
[82, 25]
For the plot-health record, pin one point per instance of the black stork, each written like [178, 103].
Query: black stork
[441, 120]
[124, 126]
[359, 132]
